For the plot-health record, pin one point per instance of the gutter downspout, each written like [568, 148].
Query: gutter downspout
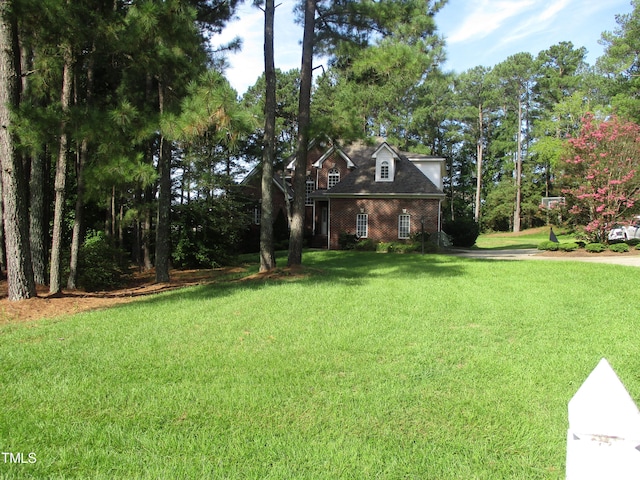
[329, 224]
[439, 221]
[313, 210]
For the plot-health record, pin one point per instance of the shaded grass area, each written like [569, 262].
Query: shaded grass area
[388, 366]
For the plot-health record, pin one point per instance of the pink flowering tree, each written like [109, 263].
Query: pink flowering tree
[602, 174]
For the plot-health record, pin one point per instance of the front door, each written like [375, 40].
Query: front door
[324, 220]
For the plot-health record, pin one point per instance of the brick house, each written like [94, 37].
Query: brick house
[371, 190]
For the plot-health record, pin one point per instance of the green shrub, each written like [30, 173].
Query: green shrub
[207, 233]
[619, 247]
[595, 247]
[347, 241]
[548, 245]
[101, 266]
[429, 247]
[440, 239]
[365, 244]
[463, 232]
[632, 242]
[402, 247]
[416, 237]
[568, 247]
[384, 247]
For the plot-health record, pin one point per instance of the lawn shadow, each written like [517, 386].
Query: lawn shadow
[341, 266]
[331, 268]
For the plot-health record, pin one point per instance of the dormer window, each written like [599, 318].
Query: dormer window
[385, 163]
[384, 170]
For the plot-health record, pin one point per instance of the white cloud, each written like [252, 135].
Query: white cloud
[546, 23]
[553, 10]
[487, 17]
[478, 32]
[530, 25]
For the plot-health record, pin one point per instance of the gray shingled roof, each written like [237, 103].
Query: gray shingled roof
[408, 180]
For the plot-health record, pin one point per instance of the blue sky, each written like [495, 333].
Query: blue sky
[477, 32]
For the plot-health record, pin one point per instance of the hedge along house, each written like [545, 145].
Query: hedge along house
[371, 190]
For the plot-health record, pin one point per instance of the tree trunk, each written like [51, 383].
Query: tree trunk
[480, 151]
[55, 273]
[81, 161]
[113, 215]
[146, 231]
[164, 212]
[37, 187]
[452, 212]
[3, 257]
[149, 194]
[16, 217]
[76, 236]
[267, 253]
[121, 226]
[516, 214]
[304, 106]
[137, 230]
[164, 203]
[37, 224]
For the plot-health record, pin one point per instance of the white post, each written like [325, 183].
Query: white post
[603, 440]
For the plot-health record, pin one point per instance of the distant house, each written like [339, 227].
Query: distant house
[370, 190]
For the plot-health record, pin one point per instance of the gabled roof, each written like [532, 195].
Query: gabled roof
[321, 142]
[384, 146]
[331, 151]
[278, 181]
[408, 179]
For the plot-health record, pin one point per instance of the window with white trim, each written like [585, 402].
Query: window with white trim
[384, 170]
[362, 225]
[309, 187]
[404, 226]
[334, 177]
[385, 159]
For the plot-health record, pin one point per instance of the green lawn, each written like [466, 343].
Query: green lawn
[373, 366]
[530, 238]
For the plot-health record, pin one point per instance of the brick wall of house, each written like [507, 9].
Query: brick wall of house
[382, 217]
[252, 190]
[322, 175]
[312, 156]
[321, 179]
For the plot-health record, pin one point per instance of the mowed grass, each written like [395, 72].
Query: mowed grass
[529, 238]
[372, 366]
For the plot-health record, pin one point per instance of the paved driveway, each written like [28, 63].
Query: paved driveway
[533, 254]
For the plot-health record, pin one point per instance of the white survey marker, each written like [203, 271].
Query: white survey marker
[603, 440]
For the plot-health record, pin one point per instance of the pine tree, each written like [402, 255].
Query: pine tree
[474, 94]
[267, 253]
[296, 236]
[55, 265]
[515, 75]
[19, 269]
